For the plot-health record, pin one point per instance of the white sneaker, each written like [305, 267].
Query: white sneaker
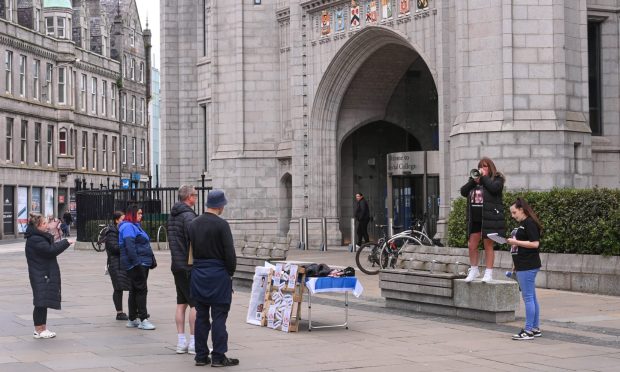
[44, 334]
[488, 276]
[182, 348]
[473, 274]
[146, 325]
[133, 323]
[191, 349]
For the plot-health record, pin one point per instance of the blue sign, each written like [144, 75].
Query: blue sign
[135, 177]
[124, 183]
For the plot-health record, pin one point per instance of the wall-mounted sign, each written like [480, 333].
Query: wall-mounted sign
[405, 163]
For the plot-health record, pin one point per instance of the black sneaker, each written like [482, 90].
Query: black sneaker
[121, 316]
[226, 362]
[201, 363]
[537, 332]
[523, 335]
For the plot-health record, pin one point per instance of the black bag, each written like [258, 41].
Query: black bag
[154, 264]
[348, 271]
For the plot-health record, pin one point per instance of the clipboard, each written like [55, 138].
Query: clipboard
[497, 238]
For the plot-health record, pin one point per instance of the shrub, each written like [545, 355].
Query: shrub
[574, 221]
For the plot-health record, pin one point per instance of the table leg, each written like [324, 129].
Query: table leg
[309, 312]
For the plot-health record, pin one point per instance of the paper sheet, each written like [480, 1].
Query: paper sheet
[496, 238]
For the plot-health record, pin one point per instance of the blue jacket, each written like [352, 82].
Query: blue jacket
[135, 246]
[210, 282]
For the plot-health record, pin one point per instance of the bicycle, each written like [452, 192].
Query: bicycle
[372, 257]
[98, 240]
[418, 229]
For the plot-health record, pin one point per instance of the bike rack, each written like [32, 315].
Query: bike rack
[159, 230]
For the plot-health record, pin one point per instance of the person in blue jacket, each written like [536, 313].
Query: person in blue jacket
[137, 259]
[44, 272]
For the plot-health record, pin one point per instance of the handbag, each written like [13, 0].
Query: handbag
[190, 256]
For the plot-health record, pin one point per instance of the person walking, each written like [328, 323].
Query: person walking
[68, 219]
[181, 215]
[120, 281]
[215, 263]
[485, 215]
[43, 271]
[362, 216]
[137, 259]
[525, 248]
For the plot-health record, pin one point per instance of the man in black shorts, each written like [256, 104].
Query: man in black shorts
[181, 215]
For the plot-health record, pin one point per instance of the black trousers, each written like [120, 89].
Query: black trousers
[39, 315]
[362, 232]
[137, 294]
[216, 325]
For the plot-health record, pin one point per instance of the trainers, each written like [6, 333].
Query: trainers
[536, 332]
[523, 335]
[488, 276]
[182, 348]
[191, 349]
[44, 334]
[146, 325]
[473, 273]
[203, 362]
[121, 316]
[226, 362]
[133, 323]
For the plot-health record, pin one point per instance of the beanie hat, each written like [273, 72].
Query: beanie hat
[216, 199]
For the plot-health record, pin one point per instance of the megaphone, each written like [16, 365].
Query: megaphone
[474, 173]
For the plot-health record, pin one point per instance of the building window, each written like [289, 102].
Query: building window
[133, 150]
[104, 101]
[113, 100]
[62, 86]
[84, 150]
[9, 140]
[62, 142]
[83, 93]
[142, 109]
[132, 34]
[49, 26]
[93, 92]
[594, 77]
[132, 69]
[104, 153]
[124, 150]
[124, 107]
[141, 76]
[114, 154]
[37, 20]
[49, 74]
[50, 145]
[37, 143]
[142, 152]
[132, 110]
[60, 27]
[95, 160]
[36, 66]
[8, 66]
[22, 75]
[24, 142]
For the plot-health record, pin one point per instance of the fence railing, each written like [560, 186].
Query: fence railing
[95, 207]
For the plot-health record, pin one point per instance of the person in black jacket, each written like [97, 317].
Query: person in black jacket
[485, 215]
[181, 215]
[68, 219]
[362, 216]
[120, 282]
[215, 263]
[44, 272]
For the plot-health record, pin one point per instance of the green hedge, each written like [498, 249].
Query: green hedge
[574, 221]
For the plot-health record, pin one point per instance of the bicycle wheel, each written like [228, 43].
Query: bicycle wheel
[367, 258]
[423, 238]
[98, 240]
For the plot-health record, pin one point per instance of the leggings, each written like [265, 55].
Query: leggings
[117, 297]
[39, 315]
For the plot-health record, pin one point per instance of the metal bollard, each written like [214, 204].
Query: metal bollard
[390, 230]
[301, 234]
[324, 234]
[352, 247]
[305, 222]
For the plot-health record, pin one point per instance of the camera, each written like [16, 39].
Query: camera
[474, 173]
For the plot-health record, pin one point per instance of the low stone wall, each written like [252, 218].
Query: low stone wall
[571, 272]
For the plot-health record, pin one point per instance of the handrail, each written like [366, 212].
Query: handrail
[159, 230]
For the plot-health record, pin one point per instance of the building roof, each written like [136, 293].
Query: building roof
[57, 4]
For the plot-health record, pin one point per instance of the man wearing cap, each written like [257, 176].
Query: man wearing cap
[211, 280]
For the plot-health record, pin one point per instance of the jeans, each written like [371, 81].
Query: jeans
[527, 281]
[217, 327]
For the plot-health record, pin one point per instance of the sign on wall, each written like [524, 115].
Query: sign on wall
[7, 216]
[405, 163]
[22, 209]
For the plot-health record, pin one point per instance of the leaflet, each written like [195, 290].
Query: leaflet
[497, 238]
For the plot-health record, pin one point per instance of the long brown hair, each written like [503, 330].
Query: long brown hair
[492, 168]
[520, 203]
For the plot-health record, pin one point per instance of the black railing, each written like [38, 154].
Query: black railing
[95, 207]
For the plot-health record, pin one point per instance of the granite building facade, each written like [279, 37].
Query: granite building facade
[293, 106]
[64, 117]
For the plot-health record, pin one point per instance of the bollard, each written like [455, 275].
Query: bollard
[390, 230]
[353, 248]
[305, 223]
[301, 234]
[324, 234]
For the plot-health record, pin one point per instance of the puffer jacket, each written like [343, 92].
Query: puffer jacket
[120, 282]
[178, 226]
[43, 269]
[492, 205]
[135, 246]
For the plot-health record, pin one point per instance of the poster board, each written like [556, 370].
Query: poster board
[257, 296]
[283, 297]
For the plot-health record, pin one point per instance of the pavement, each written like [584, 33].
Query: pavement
[581, 332]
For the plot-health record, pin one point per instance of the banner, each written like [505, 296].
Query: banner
[49, 201]
[22, 209]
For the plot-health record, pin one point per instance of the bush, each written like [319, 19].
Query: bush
[574, 221]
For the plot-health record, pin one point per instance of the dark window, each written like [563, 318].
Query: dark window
[594, 77]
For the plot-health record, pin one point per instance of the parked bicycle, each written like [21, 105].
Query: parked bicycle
[418, 230]
[371, 257]
[98, 240]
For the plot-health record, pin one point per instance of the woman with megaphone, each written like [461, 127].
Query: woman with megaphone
[485, 214]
